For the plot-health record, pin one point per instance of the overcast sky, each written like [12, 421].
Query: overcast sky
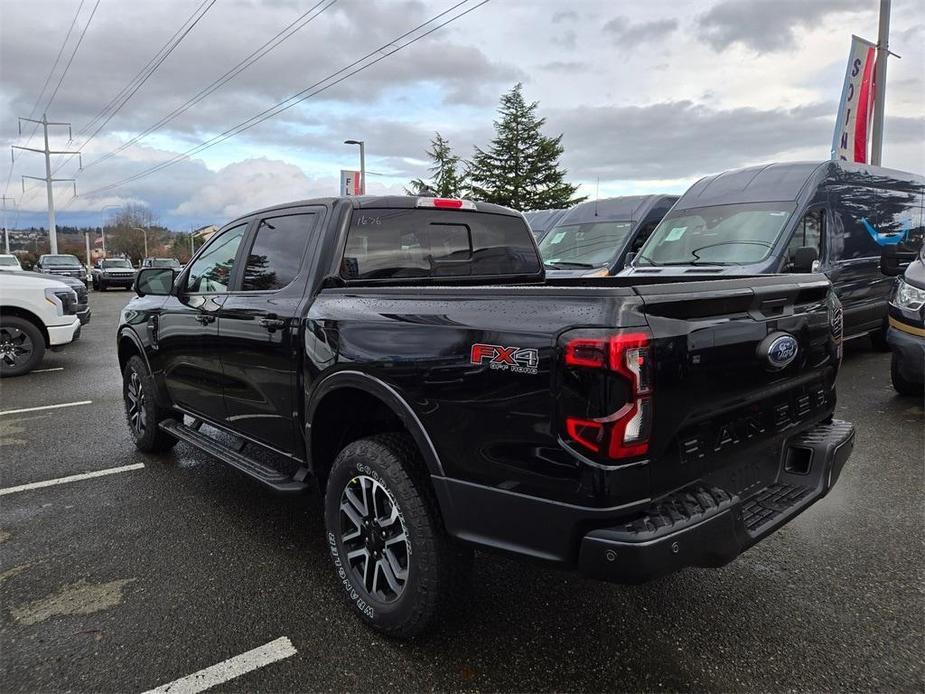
[649, 95]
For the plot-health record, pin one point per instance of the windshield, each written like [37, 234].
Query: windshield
[8, 261]
[583, 245]
[117, 263]
[720, 235]
[164, 262]
[60, 261]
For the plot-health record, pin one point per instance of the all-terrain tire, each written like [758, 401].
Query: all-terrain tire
[900, 383]
[22, 346]
[390, 465]
[142, 412]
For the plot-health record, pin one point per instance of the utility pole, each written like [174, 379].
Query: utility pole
[49, 181]
[6, 232]
[883, 52]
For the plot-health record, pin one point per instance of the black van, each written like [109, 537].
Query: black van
[593, 238]
[906, 334]
[541, 221]
[795, 217]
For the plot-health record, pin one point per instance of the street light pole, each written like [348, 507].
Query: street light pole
[362, 145]
[883, 52]
[145, 232]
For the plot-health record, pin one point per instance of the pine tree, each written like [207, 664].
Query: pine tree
[521, 167]
[446, 181]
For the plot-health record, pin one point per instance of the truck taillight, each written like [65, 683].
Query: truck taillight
[623, 433]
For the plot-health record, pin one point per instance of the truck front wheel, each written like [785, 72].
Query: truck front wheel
[142, 411]
[901, 384]
[392, 557]
[22, 346]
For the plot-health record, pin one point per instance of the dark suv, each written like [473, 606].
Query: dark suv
[62, 264]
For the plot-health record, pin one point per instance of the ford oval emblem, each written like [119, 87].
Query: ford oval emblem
[778, 349]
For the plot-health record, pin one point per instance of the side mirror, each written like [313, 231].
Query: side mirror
[154, 281]
[804, 259]
[628, 260]
[894, 262]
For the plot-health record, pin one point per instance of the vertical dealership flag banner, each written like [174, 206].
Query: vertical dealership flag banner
[350, 183]
[852, 127]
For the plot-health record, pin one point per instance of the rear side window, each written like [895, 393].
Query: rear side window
[389, 244]
[276, 254]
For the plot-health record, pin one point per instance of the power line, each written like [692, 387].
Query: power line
[293, 27]
[71, 59]
[139, 75]
[176, 40]
[301, 96]
[38, 99]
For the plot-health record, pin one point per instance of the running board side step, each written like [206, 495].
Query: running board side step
[258, 471]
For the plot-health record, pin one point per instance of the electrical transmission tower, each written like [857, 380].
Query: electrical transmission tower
[6, 232]
[49, 180]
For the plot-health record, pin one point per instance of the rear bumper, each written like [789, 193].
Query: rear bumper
[700, 525]
[703, 526]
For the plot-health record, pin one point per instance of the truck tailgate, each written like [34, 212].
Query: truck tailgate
[731, 383]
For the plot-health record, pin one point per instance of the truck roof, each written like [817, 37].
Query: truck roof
[778, 182]
[543, 220]
[377, 201]
[618, 209]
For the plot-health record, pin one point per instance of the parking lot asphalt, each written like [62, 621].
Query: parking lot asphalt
[128, 581]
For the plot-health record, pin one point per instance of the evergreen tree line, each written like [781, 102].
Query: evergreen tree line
[519, 169]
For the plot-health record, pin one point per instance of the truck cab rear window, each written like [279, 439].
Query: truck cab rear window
[399, 243]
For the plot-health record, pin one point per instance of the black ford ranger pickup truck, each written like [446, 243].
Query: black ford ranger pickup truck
[408, 358]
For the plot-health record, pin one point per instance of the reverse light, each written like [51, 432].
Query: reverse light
[446, 203]
[625, 432]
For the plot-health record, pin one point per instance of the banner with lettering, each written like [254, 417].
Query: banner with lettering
[852, 127]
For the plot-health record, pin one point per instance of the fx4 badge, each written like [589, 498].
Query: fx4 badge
[522, 361]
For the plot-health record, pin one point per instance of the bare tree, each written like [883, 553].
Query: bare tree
[124, 233]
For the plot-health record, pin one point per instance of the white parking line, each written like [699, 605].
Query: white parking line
[229, 669]
[46, 407]
[71, 478]
[45, 371]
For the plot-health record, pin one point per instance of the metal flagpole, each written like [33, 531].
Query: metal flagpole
[883, 52]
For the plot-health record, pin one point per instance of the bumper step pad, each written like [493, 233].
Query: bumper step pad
[769, 503]
[678, 510]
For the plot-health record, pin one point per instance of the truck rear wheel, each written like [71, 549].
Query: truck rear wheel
[393, 559]
[22, 346]
[142, 411]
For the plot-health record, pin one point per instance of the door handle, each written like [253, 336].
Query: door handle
[272, 323]
[205, 318]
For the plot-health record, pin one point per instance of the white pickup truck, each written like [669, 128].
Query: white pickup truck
[36, 313]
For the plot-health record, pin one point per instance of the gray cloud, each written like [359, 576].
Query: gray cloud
[564, 66]
[676, 140]
[768, 25]
[124, 36]
[565, 15]
[627, 34]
